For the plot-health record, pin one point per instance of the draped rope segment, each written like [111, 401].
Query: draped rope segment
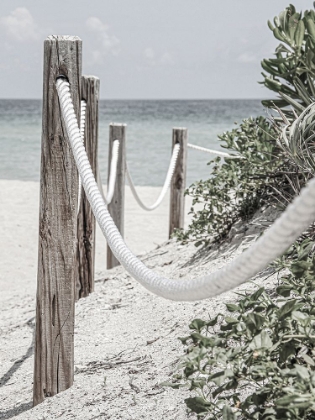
[213, 152]
[290, 225]
[112, 175]
[82, 132]
[166, 185]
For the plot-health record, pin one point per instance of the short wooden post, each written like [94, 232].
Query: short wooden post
[178, 184]
[116, 207]
[54, 365]
[86, 221]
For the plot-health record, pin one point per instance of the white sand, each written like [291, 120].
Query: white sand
[124, 335]
[19, 208]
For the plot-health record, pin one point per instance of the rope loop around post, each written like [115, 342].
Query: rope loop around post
[271, 245]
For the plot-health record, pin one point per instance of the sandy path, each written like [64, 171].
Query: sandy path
[19, 204]
[125, 338]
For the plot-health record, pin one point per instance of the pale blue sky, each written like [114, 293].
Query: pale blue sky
[146, 49]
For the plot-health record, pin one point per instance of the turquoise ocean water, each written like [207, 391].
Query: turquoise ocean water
[149, 134]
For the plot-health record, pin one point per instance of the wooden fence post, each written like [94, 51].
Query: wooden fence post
[86, 221]
[116, 207]
[178, 184]
[53, 371]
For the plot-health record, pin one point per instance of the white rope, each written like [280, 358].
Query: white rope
[213, 152]
[292, 223]
[112, 173]
[166, 185]
[82, 132]
[113, 166]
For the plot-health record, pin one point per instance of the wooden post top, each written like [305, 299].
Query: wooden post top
[113, 124]
[63, 38]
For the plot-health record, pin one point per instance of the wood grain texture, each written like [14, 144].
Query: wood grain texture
[54, 365]
[117, 205]
[90, 88]
[178, 184]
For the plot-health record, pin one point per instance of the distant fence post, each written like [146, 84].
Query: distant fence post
[53, 370]
[178, 184]
[116, 207]
[90, 87]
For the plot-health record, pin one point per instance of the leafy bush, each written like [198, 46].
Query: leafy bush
[238, 187]
[292, 72]
[258, 362]
[266, 173]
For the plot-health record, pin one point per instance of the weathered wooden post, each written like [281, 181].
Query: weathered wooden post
[54, 365]
[90, 88]
[178, 184]
[116, 207]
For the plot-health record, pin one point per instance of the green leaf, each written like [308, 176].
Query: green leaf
[299, 34]
[219, 377]
[256, 319]
[230, 320]
[197, 324]
[171, 385]
[227, 413]
[284, 290]
[310, 26]
[213, 321]
[286, 309]
[198, 405]
[302, 372]
[257, 294]
[298, 268]
[293, 24]
[260, 341]
[308, 359]
[277, 34]
[231, 307]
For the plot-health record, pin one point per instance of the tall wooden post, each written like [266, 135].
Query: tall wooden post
[54, 365]
[116, 207]
[178, 184]
[86, 221]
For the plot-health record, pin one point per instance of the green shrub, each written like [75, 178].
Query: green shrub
[267, 172]
[238, 187]
[291, 73]
[259, 361]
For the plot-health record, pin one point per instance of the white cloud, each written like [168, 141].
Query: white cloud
[108, 43]
[20, 25]
[166, 59]
[247, 57]
[149, 53]
[154, 59]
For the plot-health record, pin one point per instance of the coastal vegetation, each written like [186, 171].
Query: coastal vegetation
[259, 361]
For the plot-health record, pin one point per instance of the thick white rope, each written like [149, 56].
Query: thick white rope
[290, 225]
[82, 132]
[113, 166]
[112, 173]
[166, 185]
[213, 152]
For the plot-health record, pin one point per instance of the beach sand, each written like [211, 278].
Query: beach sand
[126, 339]
[19, 215]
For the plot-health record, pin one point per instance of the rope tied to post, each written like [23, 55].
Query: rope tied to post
[296, 218]
[165, 187]
[213, 152]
